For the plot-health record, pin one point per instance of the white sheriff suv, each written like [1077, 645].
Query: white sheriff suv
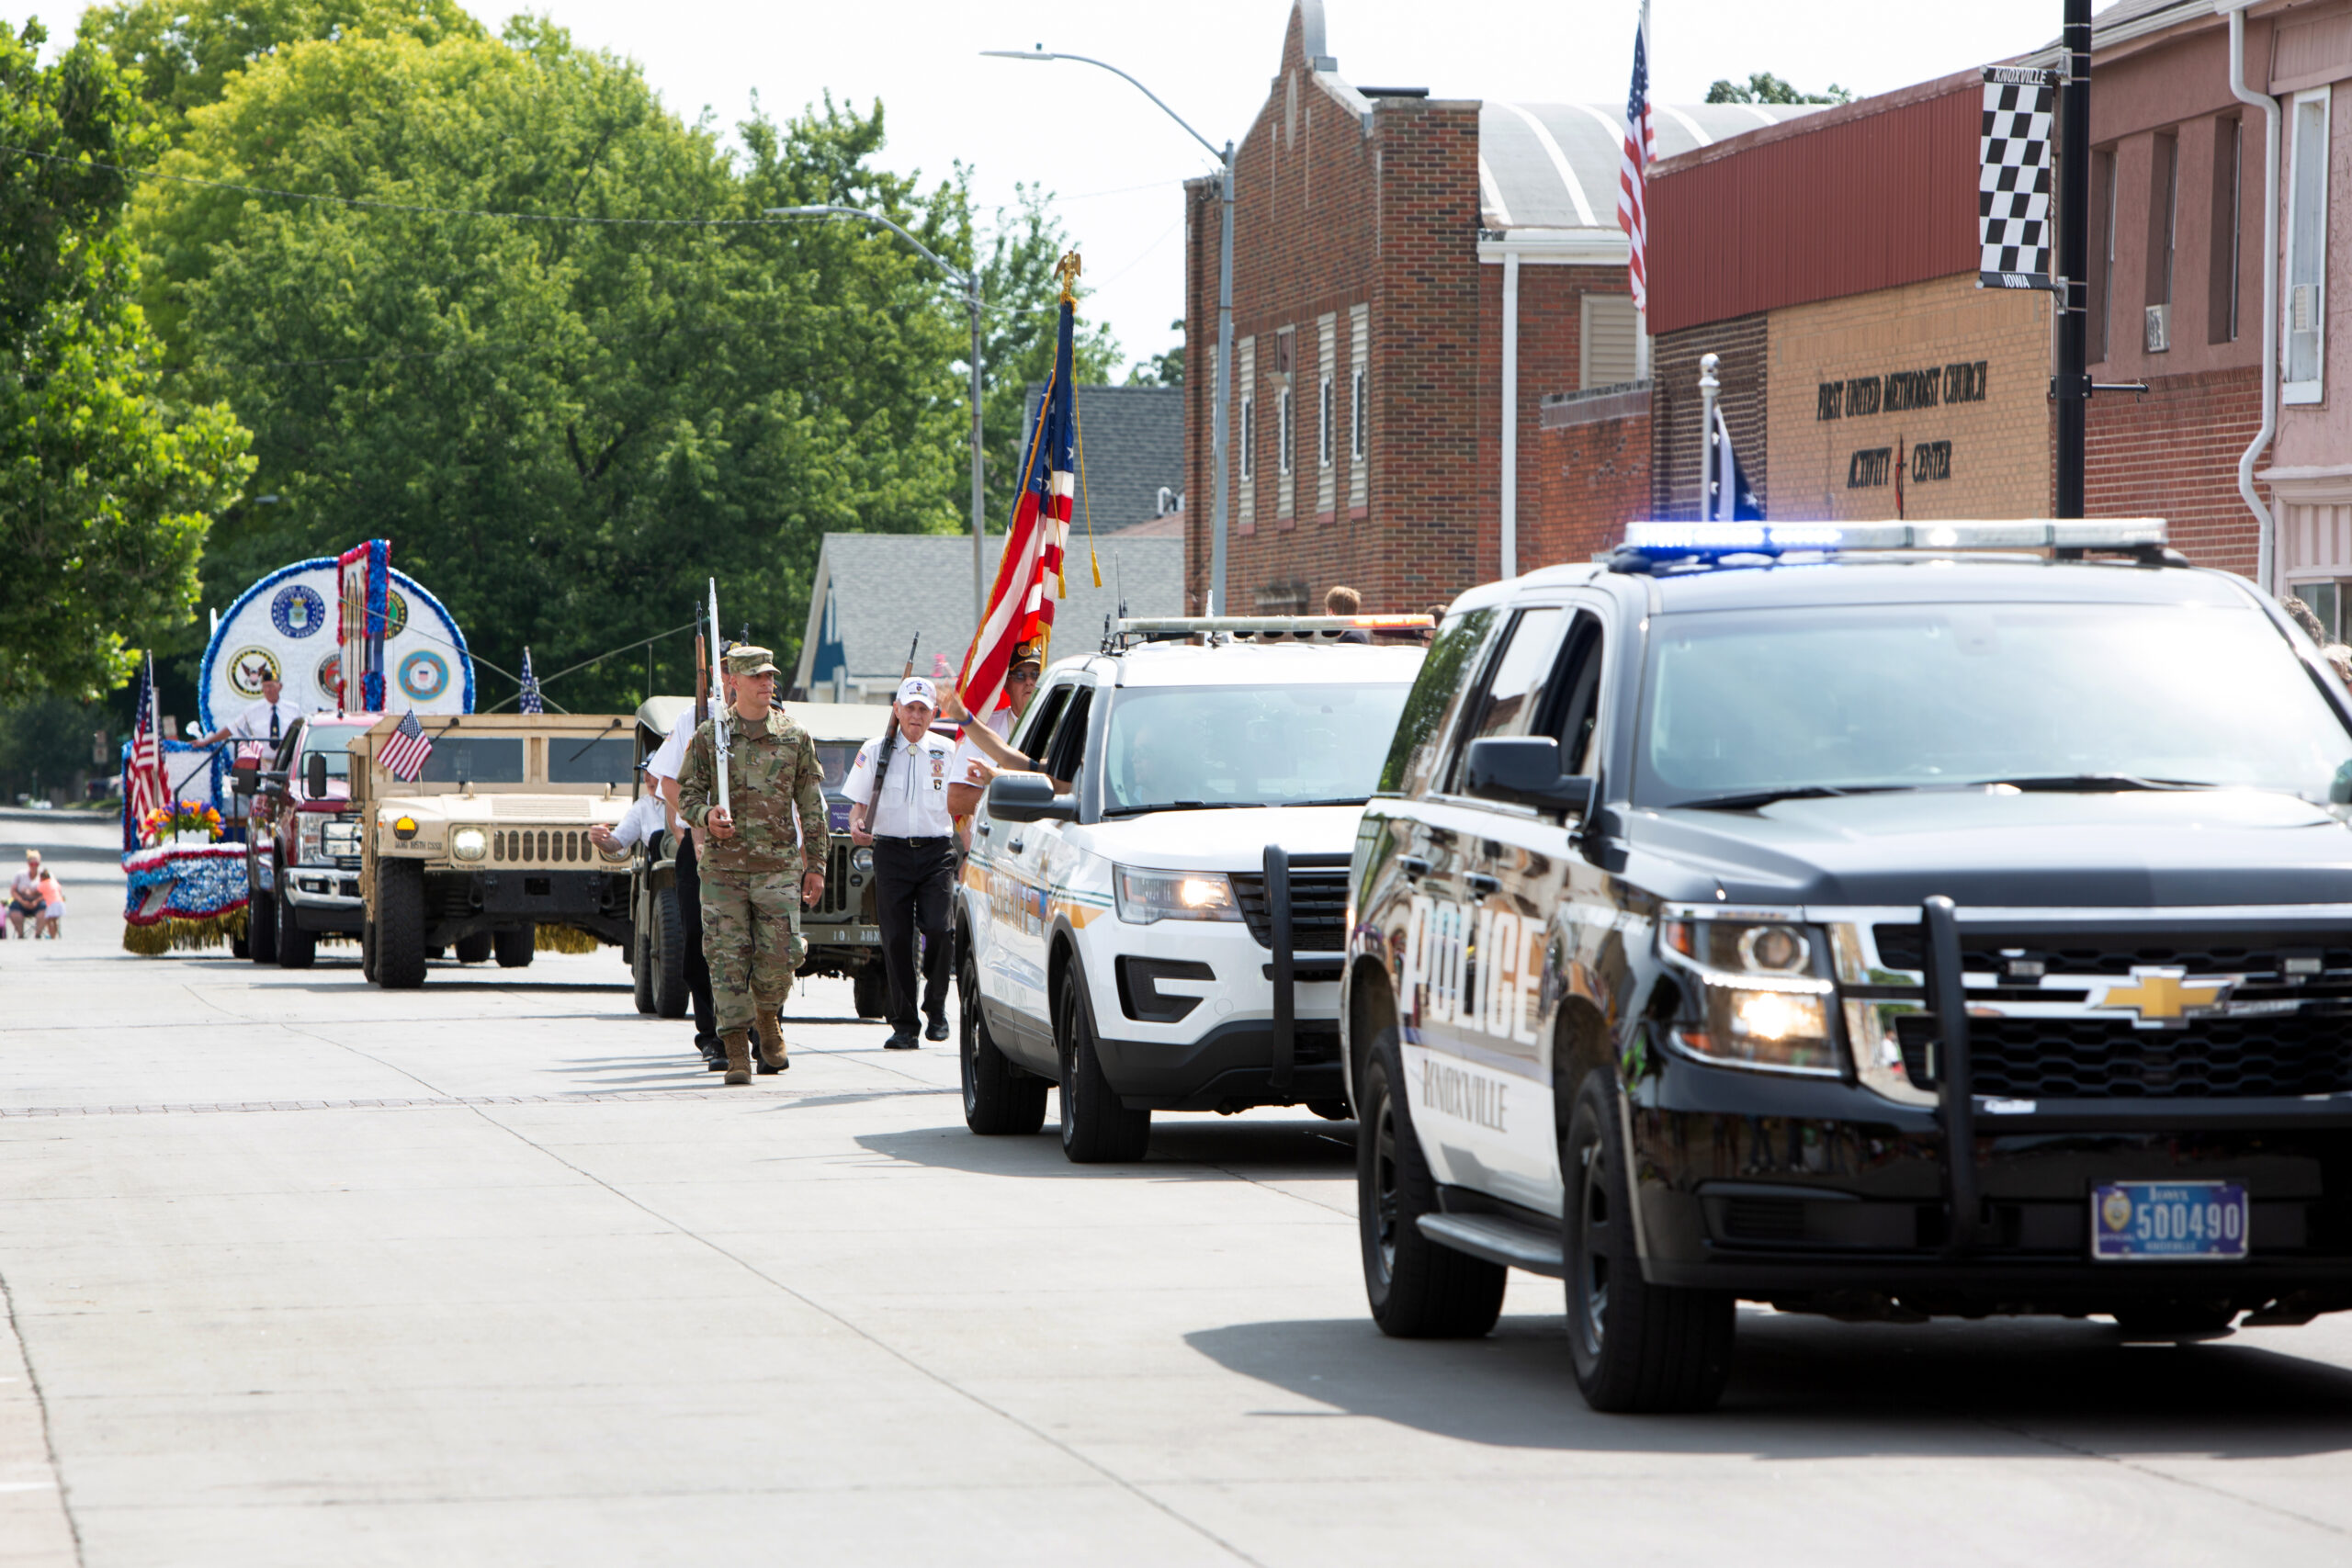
[1156, 924]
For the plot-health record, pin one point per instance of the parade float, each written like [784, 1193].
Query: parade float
[183, 829]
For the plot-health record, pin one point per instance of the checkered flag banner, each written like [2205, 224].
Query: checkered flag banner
[2013, 183]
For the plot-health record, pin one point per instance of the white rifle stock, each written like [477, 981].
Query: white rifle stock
[722, 714]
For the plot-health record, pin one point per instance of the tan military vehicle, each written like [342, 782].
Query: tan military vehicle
[487, 853]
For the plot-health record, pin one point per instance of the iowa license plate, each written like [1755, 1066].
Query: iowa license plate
[2163, 1222]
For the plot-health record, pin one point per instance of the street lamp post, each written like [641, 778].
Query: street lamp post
[1223, 389]
[970, 283]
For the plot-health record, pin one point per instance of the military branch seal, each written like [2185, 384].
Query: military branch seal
[752, 878]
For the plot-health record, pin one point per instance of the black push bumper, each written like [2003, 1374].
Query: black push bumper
[460, 903]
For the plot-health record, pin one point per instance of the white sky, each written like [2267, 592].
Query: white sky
[1115, 161]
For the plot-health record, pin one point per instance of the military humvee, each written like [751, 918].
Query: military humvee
[840, 930]
[489, 848]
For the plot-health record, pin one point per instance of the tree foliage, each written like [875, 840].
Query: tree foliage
[565, 427]
[1161, 369]
[106, 487]
[1763, 87]
[1025, 294]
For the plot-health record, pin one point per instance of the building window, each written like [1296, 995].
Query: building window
[2328, 602]
[1359, 414]
[2102, 248]
[2221, 274]
[1324, 414]
[1284, 446]
[2306, 299]
[2163, 206]
[1249, 436]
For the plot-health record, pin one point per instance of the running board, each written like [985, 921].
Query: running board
[1497, 1240]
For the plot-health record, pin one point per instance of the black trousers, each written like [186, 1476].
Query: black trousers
[913, 879]
[690, 919]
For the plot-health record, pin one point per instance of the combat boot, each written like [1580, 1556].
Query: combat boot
[771, 1039]
[738, 1056]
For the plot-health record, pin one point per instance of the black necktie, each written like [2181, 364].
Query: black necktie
[273, 727]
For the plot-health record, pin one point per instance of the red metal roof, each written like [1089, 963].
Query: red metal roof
[1864, 197]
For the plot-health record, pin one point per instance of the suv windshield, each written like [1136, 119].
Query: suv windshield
[1246, 745]
[328, 740]
[1769, 702]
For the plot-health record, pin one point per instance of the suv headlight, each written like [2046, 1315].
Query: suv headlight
[1765, 997]
[468, 843]
[1148, 896]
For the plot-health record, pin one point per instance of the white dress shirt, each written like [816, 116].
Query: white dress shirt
[912, 802]
[253, 724]
[645, 816]
[1001, 724]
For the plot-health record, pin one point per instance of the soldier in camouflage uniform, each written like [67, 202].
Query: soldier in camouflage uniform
[752, 885]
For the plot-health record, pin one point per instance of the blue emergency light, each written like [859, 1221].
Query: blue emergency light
[1685, 541]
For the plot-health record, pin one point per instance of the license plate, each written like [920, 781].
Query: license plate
[2162, 1222]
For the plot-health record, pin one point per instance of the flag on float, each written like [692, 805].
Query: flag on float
[1730, 498]
[1028, 577]
[530, 701]
[406, 749]
[146, 788]
[1639, 151]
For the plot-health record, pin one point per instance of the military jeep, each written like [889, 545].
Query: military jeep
[487, 851]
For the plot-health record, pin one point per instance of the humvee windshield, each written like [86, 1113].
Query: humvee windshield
[602, 759]
[461, 759]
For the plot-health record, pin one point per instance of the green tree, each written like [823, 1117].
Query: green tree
[107, 488]
[1161, 369]
[1024, 295]
[563, 427]
[1763, 87]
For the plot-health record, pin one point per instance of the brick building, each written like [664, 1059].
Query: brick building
[1438, 372]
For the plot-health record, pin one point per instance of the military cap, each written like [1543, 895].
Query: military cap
[1024, 653]
[745, 659]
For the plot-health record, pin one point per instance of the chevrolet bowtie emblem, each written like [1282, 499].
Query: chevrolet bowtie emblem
[2164, 999]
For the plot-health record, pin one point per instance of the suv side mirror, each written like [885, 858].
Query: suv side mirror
[1029, 798]
[244, 781]
[314, 776]
[1526, 771]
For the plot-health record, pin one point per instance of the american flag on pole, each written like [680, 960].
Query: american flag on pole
[406, 749]
[1634, 166]
[1028, 577]
[530, 701]
[145, 788]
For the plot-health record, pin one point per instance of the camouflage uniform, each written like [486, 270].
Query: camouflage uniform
[751, 881]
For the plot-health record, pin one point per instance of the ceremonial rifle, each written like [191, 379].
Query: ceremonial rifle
[721, 741]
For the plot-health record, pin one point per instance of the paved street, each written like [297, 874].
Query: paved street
[305, 1272]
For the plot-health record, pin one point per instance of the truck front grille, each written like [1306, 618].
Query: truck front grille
[835, 904]
[2255, 955]
[545, 846]
[2087, 1059]
[1318, 906]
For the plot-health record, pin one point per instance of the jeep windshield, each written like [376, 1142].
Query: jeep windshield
[1194, 747]
[1748, 707]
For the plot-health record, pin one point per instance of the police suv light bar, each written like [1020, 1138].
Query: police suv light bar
[1251, 626]
[1675, 541]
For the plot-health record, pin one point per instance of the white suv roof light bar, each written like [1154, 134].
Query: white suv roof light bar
[1678, 540]
[1248, 626]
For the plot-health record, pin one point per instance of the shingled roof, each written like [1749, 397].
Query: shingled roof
[1134, 448]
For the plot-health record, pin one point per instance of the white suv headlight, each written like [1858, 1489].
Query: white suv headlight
[1148, 896]
[1766, 997]
[468, 843]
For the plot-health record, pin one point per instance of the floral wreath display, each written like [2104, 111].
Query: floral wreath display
[183, 896]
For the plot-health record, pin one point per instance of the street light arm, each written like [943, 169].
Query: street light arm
[961, 277]
[1214, 152]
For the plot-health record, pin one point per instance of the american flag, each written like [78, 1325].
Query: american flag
[530, 701]
[1021, 605]
[145, 787]
[406, 749]
[1634, 166]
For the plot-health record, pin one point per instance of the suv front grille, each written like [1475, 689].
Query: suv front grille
[2053, 1058]
[1318, 906]
[2252, 954]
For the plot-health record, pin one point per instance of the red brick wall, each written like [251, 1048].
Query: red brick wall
[2173, 454]
[1676, 451]
[1590, 469]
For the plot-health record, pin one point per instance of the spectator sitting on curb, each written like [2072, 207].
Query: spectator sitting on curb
[24, 895]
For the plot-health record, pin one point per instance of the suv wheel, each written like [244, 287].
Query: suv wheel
[666, 944]
[1637, 1346]
[516, 949]
[1418, 1289]
[640, 966]
[400, 925]
[297, 949]
[471, 949]
[999, 1098]
[869, 989]
[261, 928]
[1096, 1127]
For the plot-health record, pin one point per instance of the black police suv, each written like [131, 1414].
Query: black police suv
[1861, 923]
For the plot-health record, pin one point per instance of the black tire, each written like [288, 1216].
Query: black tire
[1637, 1346]
[241, 946]
[1000, 1100]
[869, 989]
[1418, 1290]
[516, 949]
[297, 949]
[1330, 1109]
[666, 949]
[261, 928]
[2185, 1320]
[368, 949]
[473, 949]
[400, 924]
[640, 967]
[1096, 1128]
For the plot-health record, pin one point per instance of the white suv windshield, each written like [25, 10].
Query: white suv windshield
[1209, 746]
[2043, 695]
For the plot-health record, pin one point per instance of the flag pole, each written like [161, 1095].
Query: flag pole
[1707, 387]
